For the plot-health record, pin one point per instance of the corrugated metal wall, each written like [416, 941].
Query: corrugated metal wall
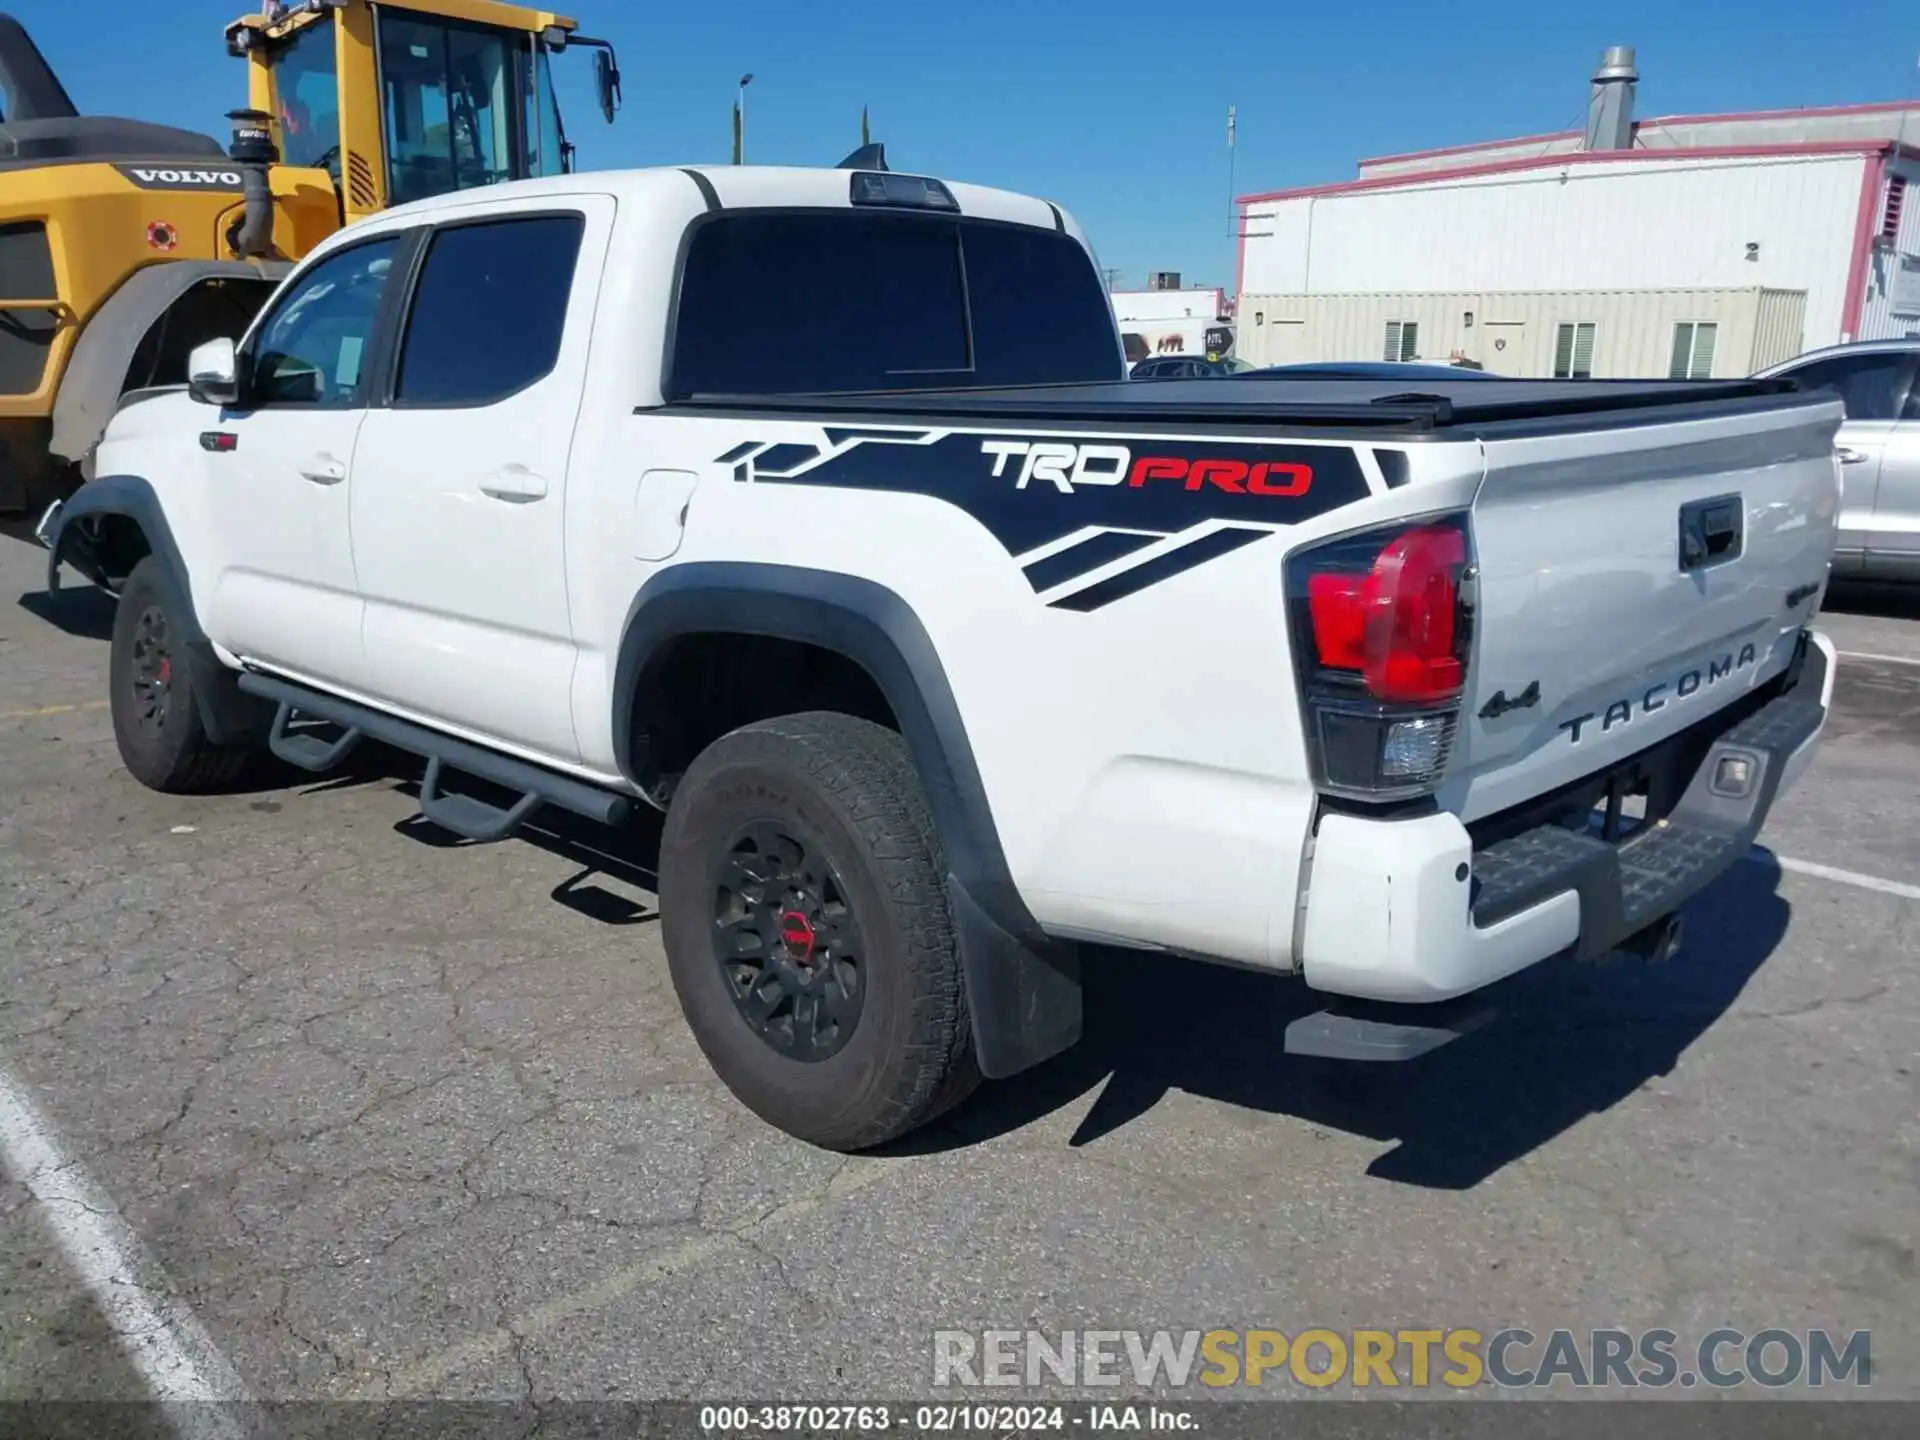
[1517, 334]
[1882, 317]
[1638, 225]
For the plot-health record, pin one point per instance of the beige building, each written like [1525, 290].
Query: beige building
[1684, 245]
[1599, 334]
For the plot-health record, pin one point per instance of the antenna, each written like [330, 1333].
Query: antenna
[1233, 208]
[867, 157]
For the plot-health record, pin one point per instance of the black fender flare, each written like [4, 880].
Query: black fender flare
[131, 497]
[229, 714]
[1023, 986]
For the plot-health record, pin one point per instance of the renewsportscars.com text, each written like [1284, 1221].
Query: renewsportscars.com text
[1512, 1358]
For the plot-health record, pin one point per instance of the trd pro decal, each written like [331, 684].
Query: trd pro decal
[1065, 508]
[1067, 466]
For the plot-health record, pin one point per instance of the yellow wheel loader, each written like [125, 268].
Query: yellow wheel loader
[124, 244]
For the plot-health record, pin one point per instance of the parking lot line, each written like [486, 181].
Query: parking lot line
[162, 1338]
[54, 710]
[1841, 877]
[418, 1379]
[1878, 659]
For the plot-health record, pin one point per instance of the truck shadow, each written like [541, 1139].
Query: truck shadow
[81, 611]
[1571, 1040]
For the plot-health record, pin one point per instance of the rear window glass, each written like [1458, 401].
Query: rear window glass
[822, 301]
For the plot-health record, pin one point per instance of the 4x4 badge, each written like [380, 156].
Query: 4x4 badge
[1499, 705]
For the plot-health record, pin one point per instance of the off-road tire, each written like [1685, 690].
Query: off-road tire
[851, 786]
[170, 753]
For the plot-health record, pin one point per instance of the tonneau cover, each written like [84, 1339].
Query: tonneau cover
[1340, 402]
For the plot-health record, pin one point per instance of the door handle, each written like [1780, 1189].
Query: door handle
[1850, 456]
[323, 469]
[515, 484]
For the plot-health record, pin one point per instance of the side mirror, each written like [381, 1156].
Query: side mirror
[606, 80]
[213, 373]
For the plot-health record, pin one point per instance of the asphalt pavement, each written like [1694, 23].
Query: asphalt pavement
[392, 1117]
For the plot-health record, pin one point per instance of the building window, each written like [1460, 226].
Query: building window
[1693, 350]
[1573, 351]
[1403, 340]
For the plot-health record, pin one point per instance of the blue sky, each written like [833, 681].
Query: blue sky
[1116, 110]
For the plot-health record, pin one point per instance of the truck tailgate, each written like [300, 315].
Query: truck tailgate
[1633, 579]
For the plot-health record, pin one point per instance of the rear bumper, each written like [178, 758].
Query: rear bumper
[1412, 910]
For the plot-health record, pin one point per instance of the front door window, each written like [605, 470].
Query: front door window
[309, 350]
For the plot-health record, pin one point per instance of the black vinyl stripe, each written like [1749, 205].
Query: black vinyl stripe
[960, 469]
[707, 192]
[837, 436]
[1393, 467]
[1128, 582]
[740, 452]
[1089, 554]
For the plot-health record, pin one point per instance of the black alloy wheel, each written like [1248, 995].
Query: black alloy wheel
[805, 914]
[787, 942]
[151, 671]
[160, 692]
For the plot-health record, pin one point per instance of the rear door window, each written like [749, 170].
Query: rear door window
[488, 310]
[784, 303]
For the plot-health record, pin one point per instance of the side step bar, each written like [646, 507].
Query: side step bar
[463, 815]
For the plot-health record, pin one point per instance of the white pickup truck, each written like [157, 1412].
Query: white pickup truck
[813, 508]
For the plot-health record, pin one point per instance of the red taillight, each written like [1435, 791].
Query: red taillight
[1339, 608]
[1394, 624]
[1382, 625]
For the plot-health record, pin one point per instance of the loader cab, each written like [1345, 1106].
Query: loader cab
[402, 101]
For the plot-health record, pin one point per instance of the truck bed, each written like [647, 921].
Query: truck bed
[1462, 408]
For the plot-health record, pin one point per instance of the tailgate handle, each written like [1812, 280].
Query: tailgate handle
[1710, 532]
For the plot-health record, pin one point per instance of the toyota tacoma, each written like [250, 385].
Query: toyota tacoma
[814, 509]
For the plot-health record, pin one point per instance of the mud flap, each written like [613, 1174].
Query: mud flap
[1025, 1001]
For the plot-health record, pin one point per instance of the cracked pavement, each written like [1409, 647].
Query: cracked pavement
[406, 1119]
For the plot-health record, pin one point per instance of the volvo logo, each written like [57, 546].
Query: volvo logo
[155, 177]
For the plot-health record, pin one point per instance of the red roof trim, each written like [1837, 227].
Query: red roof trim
[1582, 157]
[1734, 117]
[1865, 223]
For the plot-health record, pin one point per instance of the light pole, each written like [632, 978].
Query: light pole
[745, 80]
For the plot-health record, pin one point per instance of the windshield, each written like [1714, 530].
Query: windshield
[307, 97]
[451, 114]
